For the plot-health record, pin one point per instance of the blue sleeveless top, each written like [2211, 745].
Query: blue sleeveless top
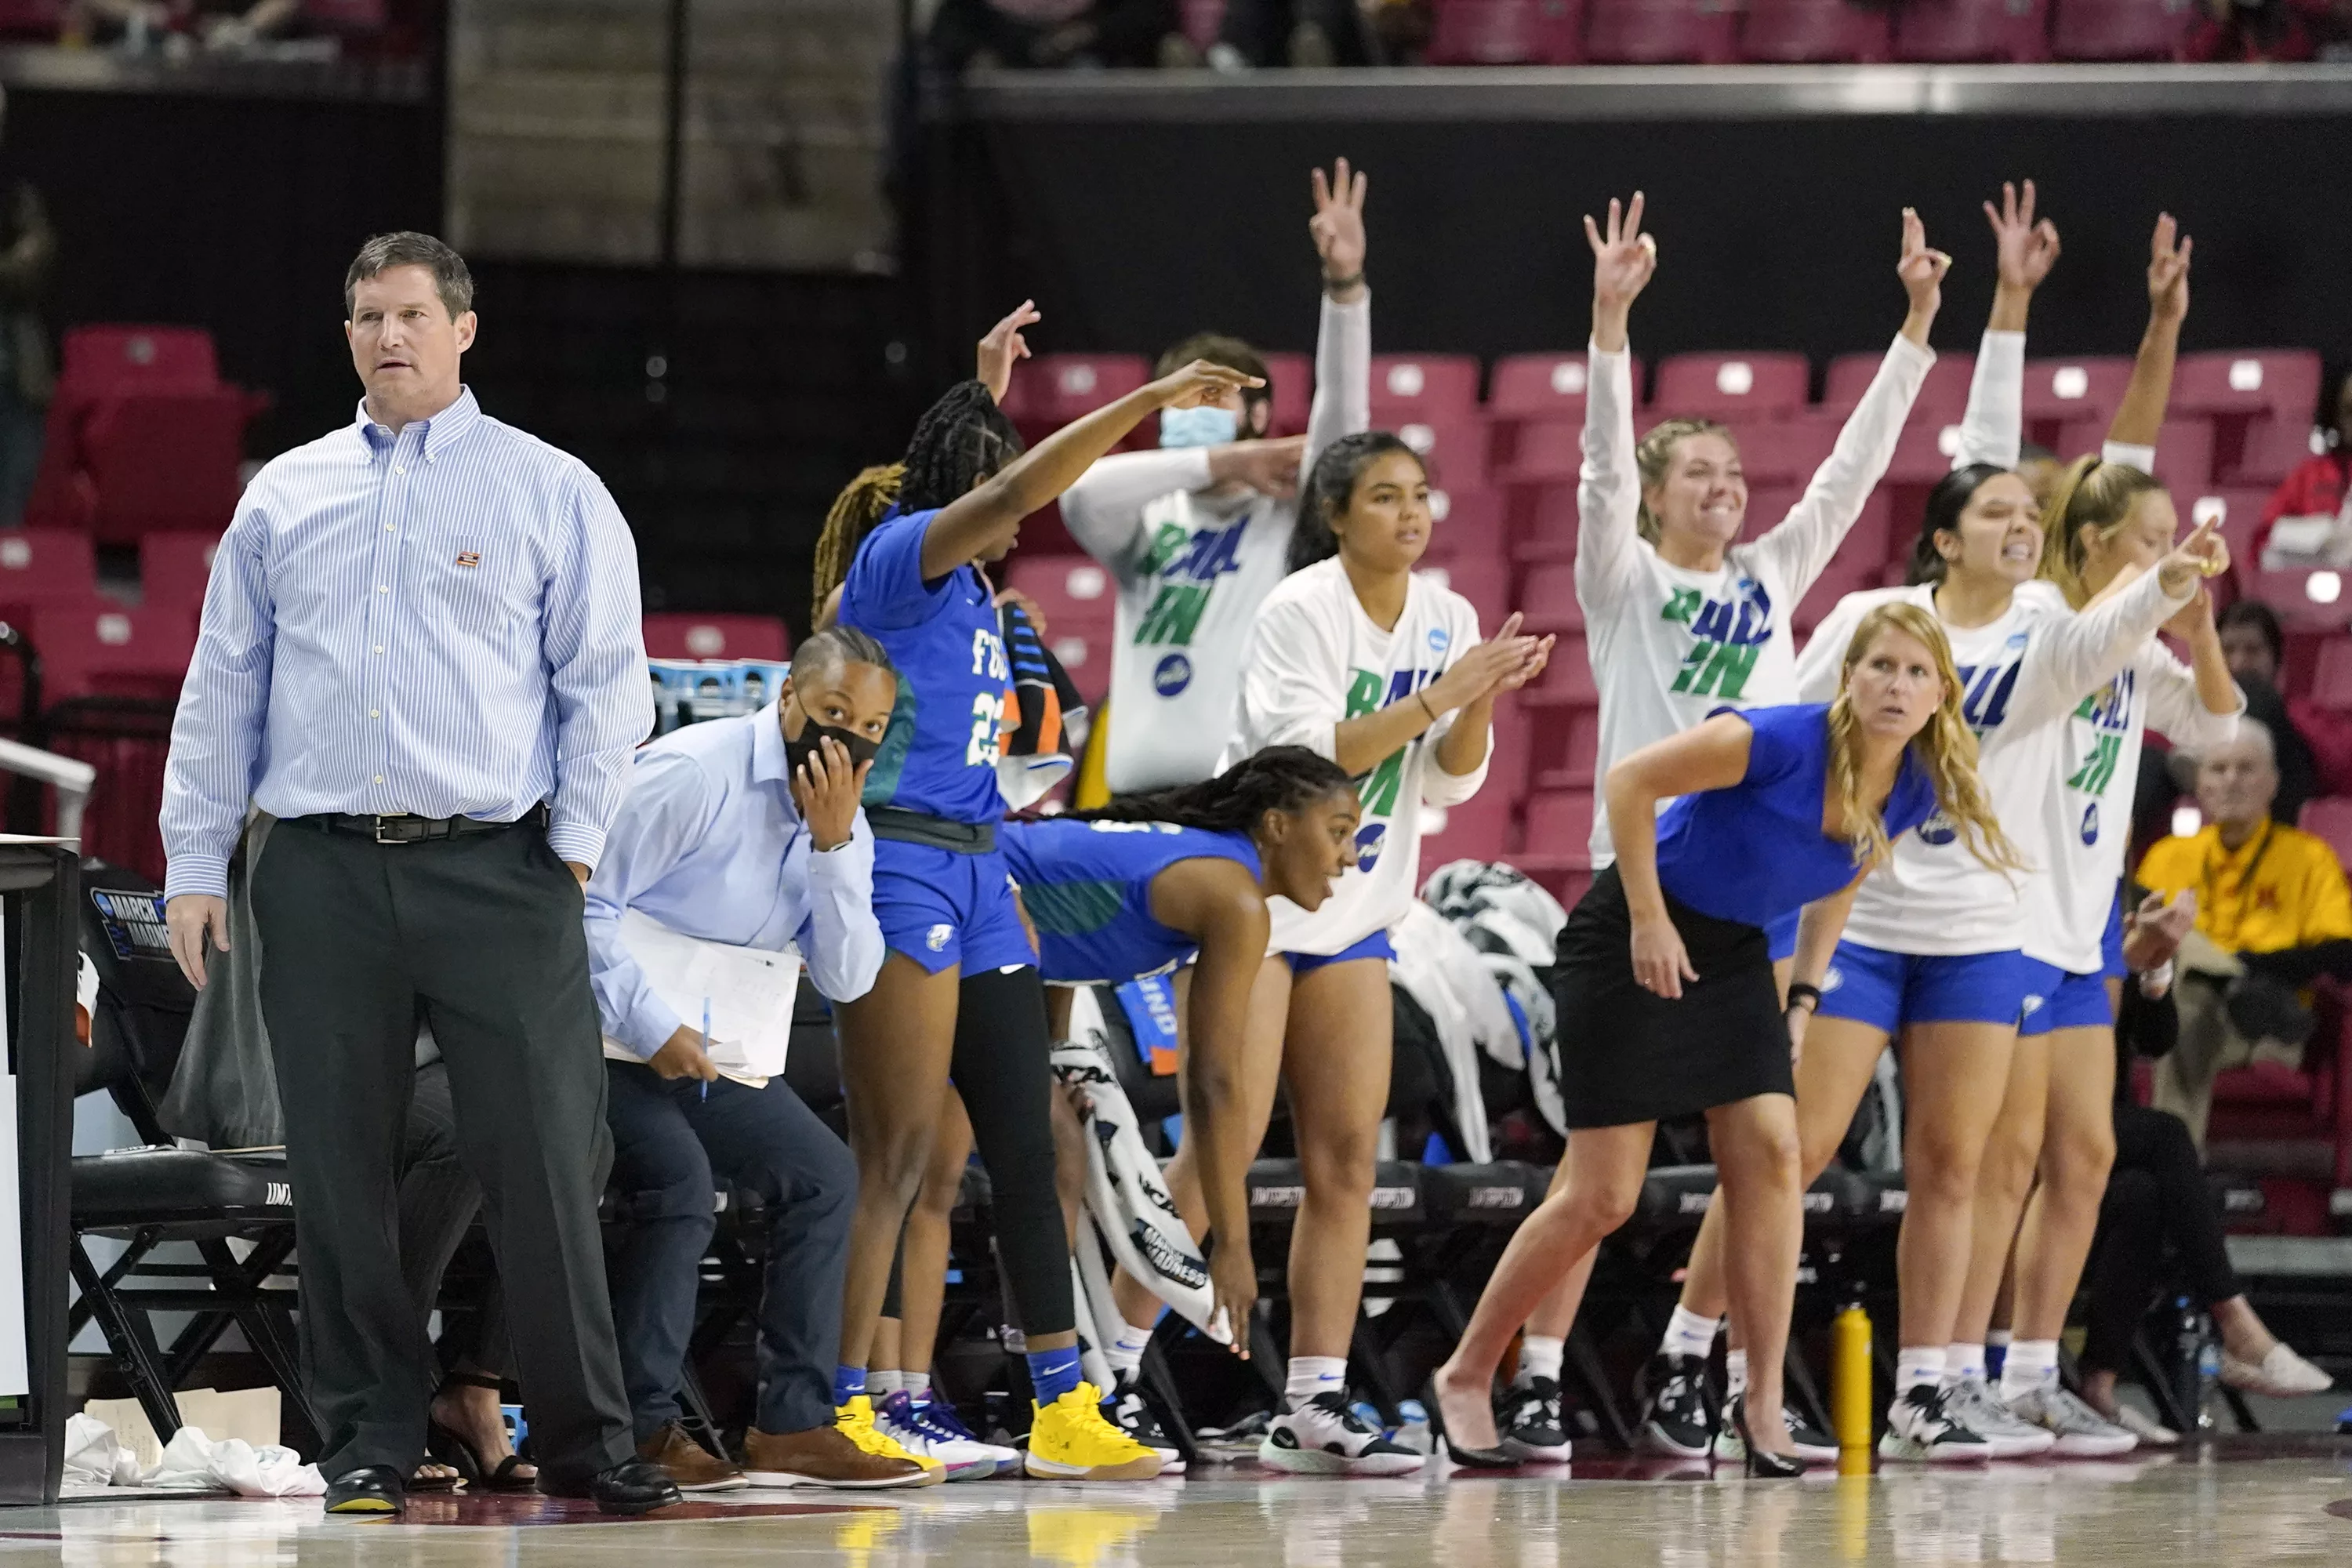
[1755, 852]
[939, 756]
[1088, 888]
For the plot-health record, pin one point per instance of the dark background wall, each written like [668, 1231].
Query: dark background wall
[1773, 233]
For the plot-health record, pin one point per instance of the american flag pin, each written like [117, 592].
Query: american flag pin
[470, 558]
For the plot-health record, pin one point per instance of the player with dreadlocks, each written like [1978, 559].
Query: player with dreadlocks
[959, 993]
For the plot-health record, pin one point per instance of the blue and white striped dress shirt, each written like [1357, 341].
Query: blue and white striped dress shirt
[442, 621]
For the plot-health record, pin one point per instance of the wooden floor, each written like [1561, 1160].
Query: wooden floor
[2279, 1500]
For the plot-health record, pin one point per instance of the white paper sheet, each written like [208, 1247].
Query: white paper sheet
[749, 993]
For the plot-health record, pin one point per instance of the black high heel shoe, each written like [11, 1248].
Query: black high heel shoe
[1463, 1458]
[473, 1467]
[1760, 1465]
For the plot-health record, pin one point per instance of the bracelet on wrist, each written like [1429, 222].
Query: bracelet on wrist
[1807, 996]
[1423, 697]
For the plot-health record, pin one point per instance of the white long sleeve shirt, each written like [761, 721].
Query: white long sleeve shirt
[1192, 563]
[1315, 659]
[1669, 645]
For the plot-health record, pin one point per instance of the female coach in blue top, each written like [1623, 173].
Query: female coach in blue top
[1779, 809]
[959, 993]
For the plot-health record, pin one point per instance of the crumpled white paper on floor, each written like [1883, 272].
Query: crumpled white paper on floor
[95, 1457]
[190, 1462]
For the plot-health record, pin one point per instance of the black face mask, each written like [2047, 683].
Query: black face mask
[796, 752]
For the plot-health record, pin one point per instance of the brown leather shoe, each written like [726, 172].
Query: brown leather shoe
[692, 1467]
[824, 1457]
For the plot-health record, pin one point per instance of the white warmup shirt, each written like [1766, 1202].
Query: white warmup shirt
[1193, 564]
[1671, 645]
[1316, 659]
[2023, 674]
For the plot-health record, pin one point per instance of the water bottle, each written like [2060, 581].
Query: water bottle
[2209, 1373]
[1413, 1429]
[2188, 1352]
[1850, 1401]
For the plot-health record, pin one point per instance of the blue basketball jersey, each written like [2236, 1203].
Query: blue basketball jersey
[939, 754]
[1087, 888]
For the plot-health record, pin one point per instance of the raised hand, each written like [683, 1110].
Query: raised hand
[2204, 554]
[1623, 258]
[1487, 668]
[1337, 227]
[1003, 346]
[1198, 382]
[2168, 271]
[1922, 271]
[1269, 468]
[826, 787]
[2024, 249]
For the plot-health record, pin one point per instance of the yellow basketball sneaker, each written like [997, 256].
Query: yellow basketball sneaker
[856, 1420]
[1070, 1441]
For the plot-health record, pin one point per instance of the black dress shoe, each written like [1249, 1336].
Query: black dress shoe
[1759, 1463]
[632, 1487]
[370, 1489]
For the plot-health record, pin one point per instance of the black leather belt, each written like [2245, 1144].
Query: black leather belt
[405, 829]
[921, 827]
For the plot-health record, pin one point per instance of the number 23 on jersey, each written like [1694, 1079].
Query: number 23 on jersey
[987, 707]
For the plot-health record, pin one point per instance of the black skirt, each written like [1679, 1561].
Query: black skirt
[1627, 1055]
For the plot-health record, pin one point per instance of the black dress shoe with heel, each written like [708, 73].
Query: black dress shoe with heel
[1762, 1465]
[1464, 1458]
[633, 1485]
[372, 1489]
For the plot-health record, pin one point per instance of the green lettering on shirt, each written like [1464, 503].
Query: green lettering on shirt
[1174, 615]
[1379, 793]
[1682, 607]
[1717, 669]
[1165, 543]
[2098, 770]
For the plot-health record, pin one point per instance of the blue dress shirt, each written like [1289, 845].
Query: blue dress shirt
[442, 621]
[709, 843]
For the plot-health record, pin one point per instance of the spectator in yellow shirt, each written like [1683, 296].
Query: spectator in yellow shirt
[2273, 914]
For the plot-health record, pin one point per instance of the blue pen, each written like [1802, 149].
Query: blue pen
[706, 1041]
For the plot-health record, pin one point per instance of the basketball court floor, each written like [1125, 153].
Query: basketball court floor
[2274, 1499]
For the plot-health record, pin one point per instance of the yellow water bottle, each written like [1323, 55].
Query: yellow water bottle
[1849, 1390]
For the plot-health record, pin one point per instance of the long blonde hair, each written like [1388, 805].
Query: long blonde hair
[860, 505]
[1946, 747]
[2090, 493]
[1655, 455]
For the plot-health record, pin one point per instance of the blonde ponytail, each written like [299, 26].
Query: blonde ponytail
[2092, 493]
[863, 503]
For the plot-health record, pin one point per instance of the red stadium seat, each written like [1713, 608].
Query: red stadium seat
[1924, 452]
[2062, 389]
[1484, 584]
[1066, 588]
[175, 569]
[31, 19]
[1478, 829]
[2119, 30]
[1468, 525]
[101, 647]
[1054, 389]
[1541, 386]
[1507, 775]
[2268, 450]
[1806, 32]
[1540, 452]
[161, 461]
[1506, 32]
[1566, 680]
[1730, 386]
[1543, 522]
[44, 565]
[1784, 451]
[1559, 827]
[1548, 599]
[2184, 448]
[1579, 752]
[1453, 446]
[2306, 601]
[1943, 397]
[1851, 572]
[2280, 382]
[1662, 32]
[1768, 505]
[1951, 31]
[2330, 818]
[1084, 647]
[2331, 687]
[92, 361]
[1293, 377]
[1424, 387]
[674, 636]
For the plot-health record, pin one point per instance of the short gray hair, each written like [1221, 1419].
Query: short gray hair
[406, 247]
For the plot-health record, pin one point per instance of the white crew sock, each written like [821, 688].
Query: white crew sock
[1314, 1374]
[2032, 1364]
[881, 1385]
[1735, 1374]
[917, 1385]
[1125, 1354]
[1539, 1356]
[1963, 1360]
[1687, 1333]
[1918, 1365]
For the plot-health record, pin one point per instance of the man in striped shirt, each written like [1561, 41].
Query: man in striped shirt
[421, 652]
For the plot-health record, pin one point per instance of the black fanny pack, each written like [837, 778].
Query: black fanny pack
[920, 827]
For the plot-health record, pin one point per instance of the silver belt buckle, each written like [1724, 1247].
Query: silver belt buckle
[381, 820]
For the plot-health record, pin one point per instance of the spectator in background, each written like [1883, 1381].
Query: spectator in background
[1302, 33]
[2273, 915]
[2038, 466]
[28, 250]
[2256, 648]
[1054, 35]
[2255, 30]
[2317, 486]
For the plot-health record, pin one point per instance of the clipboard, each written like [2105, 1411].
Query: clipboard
[749, 991]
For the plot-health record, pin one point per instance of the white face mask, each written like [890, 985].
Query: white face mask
[1198, 426]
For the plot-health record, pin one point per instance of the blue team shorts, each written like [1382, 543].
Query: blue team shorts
[942, 907]
[2111, 945]
[1888, 990]
[1780, 937]
[1373, 946]
[2058, 1000]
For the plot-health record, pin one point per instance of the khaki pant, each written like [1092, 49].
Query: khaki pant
[2210, 1042]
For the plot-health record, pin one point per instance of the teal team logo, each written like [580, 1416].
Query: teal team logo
[1727, 635]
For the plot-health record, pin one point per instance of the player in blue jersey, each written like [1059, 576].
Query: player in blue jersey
[959, 995]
